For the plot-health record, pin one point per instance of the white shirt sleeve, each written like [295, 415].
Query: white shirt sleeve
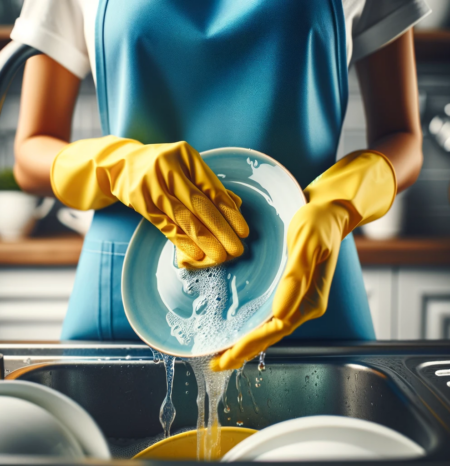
[381, 21]
[56, 28]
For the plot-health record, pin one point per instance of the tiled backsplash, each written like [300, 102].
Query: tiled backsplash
[427, 202]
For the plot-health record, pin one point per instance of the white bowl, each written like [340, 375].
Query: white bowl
[325, 438]
[28, 429]
[65, 410]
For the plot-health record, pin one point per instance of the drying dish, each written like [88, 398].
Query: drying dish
[28, 429]
[166, 306]
[72, 416]
[184, 446]
[325, 438]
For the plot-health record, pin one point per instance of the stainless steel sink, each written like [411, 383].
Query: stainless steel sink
[122, 388]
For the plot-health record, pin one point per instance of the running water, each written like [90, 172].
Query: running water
[240, 375]
[212, 384]
[167, 411]
[214, 322]
[262, 362]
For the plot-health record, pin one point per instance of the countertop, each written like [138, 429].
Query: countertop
[65, 251]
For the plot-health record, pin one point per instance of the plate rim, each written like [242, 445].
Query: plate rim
[92, 442]
[297, 425]
[203, 154]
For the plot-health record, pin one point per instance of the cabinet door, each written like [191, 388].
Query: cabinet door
[424, 304]
[33, 302]
[379, 287]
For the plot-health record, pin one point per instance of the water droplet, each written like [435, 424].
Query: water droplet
[188, 373]
[27, 361]
[239, 423]
[128, 357]
[226, 409]
[187, 393]
[307, 379]
[257, 385]
[187, 383]
[229, 418]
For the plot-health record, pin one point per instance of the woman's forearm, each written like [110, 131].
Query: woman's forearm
[34, 158]
[49, 94]
[389, 91]
[404, 150]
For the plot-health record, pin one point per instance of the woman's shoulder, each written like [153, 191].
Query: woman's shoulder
[374, 23]
[56, 28]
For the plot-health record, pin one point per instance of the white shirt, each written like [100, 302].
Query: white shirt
[65, 29]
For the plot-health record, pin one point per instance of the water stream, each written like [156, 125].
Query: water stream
[211, 385]
[167, 412]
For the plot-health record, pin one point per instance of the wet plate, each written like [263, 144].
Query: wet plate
[325, 438]
[167, 306]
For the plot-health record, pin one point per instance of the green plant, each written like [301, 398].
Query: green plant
[7, 181]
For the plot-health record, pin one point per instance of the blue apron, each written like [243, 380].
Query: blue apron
[270, 75]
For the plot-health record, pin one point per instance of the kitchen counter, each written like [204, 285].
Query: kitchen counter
[404, 251]
[65, 251]
[48, 251]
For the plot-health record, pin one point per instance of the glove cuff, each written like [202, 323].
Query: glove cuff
[364, 182]
[82, 173]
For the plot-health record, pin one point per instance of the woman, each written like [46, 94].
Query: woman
[262, 74]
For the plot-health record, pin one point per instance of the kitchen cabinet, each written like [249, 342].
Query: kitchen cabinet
[409, 303]
[33, 302]
[406, 303]
[423, 302]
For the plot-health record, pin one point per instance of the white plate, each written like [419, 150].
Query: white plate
[325, 438]
[165, 305]
[28, 429]
[69, 413]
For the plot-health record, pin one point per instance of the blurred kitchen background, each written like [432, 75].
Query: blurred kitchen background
[405, 256]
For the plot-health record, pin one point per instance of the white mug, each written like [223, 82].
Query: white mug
[19, 212]
[391, 224]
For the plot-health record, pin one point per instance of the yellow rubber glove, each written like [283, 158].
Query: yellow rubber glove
[356, 190]
[168, 184]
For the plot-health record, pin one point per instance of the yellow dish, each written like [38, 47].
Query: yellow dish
[184, 446]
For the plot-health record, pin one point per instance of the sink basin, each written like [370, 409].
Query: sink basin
[124, 392]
